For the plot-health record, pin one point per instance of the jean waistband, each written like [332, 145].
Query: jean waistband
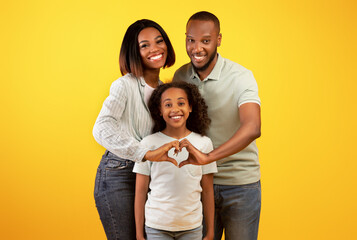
[108, 156]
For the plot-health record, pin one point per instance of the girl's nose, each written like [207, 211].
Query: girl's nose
[175, 108]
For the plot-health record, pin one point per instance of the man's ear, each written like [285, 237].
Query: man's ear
[219, 39]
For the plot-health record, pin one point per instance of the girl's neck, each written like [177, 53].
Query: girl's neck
[177, 133]
[151, 77]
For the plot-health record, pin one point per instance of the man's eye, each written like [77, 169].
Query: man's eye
[205, 41]
[190, 40]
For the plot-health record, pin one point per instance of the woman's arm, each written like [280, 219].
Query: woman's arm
[141, 190]
[161, 153]
[107, 130]
[208, 204]
[108, 133]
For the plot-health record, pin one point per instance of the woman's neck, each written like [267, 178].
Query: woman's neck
[177, 133]
[151, 77]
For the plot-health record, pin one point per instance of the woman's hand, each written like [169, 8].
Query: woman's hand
[195, 156]
[161, 154]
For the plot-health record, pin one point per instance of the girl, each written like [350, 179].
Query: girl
[173, 208]
[124, 120]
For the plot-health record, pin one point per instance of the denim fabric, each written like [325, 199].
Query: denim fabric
[237, 211]
[114, 193]
[156, 234]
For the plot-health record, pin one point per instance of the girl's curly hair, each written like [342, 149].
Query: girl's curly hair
[198, 120]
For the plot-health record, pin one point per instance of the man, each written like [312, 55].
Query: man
[231, 93]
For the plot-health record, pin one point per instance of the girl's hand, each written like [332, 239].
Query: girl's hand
[161, 154]
[195, 156]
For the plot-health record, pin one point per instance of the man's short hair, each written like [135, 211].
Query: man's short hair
[206, 16]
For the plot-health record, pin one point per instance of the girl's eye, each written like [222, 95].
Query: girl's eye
[181, 104]
[143, 46]
[168, 105]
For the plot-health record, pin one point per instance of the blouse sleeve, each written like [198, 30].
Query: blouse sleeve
[107, 131]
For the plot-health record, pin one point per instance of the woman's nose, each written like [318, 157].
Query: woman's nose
[154, 49]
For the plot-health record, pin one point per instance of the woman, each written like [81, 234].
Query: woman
[124, 120]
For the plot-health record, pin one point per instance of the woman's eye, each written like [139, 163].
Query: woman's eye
[143, 46]
[160, 41]
[181, 104]
[168, 105]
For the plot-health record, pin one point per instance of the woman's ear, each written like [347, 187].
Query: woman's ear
[190, 109]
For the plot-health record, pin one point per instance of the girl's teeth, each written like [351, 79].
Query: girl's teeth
[176, 117]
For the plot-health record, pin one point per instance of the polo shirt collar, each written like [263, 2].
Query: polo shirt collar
[215, 73]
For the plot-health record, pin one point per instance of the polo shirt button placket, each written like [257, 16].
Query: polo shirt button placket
[200, 88]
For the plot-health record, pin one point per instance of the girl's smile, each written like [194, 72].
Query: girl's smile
[175, 109]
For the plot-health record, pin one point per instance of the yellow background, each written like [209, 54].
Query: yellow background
[58, 59]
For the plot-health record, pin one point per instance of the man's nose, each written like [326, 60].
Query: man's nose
[197, 47]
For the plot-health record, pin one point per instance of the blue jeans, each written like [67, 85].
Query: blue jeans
[156, 234]
[114, 193]
[237, 211]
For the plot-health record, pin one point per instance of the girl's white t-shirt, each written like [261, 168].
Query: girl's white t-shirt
[174, 202]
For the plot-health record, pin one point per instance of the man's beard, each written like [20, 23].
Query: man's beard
[204, 67]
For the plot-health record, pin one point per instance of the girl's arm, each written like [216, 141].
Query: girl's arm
[141, 190]
[208, 204]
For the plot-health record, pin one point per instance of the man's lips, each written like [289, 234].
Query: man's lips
[198, 58]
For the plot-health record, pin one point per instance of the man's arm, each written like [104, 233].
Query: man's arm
[141, 190]
[249, 114]
[208, 204]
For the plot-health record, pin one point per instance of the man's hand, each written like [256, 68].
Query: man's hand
[195, 156]
[161, 154]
